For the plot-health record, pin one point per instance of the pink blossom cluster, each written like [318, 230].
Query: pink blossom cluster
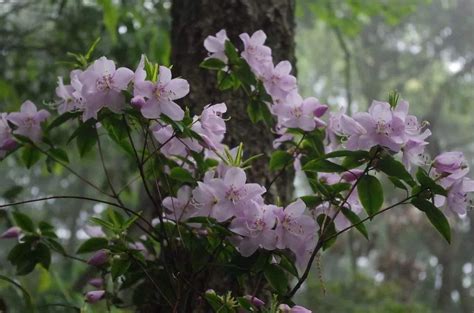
[383, 125]
[102, 85]
[226, 196]
[291, 110]
[451, 168]
[26, 123]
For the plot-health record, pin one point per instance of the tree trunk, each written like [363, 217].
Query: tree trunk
[192, 22]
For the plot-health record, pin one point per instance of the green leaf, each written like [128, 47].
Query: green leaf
[30, 155]
[323, 166]
[212, 64]
[426, 181]
[436, 217]
[24, 222]
[394, 168]
[63, 118]
[347, 153]
[119, 267]
[106, 224]
[117, 131]
[397, 183]
[355, 220]
[43, 255]
[59, 154]
[370, 194]
[92, 245]
[181, 175]
[231, 52]
[86, 138]
[279, 160]
[276, 277]
[311, 200]
[56, 246]
[225, 80]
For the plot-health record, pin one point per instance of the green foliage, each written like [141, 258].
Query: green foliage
[370, 194]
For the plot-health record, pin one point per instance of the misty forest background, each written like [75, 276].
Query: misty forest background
[347, 53]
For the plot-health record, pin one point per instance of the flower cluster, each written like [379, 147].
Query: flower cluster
[384, 125]
[291, 110]
[26, 123]
[226, 196]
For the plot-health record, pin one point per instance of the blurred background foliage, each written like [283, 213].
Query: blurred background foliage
[348, 53]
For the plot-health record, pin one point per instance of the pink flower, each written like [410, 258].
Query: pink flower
[70, 96]
[160, 95]
[458, 200]
[383, 127]
[12, 232]
[295, 112]
[28, 121]
[102, 87]
[257, 55]
[7, 141]
[179, 208]
[293, 226]
[215, 45]
[211, 126]
[95, 296]
[449, 163]
[256, 226]
[278, 81]
[233, 194]
[99, 258]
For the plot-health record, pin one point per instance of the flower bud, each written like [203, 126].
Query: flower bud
[99, 258]
[320, 110]
[255, 301]
[12, 232]
[96, 282]
[95, 296]
[138, 102]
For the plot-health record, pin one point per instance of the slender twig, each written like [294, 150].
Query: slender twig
[85, 180]
[106, 172]
[78, 198]
[321, 241]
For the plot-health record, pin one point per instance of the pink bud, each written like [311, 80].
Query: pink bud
[255, 301]
[138, 102]
[95, 296]
[99, 258]
[12, 232]
[320, 110]
[96, 282]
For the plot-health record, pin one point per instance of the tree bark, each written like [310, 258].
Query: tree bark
[192, 22]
